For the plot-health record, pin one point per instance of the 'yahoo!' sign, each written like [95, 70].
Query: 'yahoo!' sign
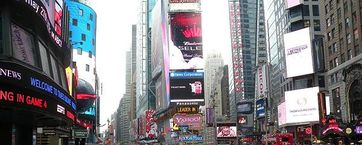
[190, 138]
[194, 121]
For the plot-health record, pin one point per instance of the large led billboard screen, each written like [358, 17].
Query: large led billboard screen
[281, 114]
[226, 131]
[185, 43]
[187, 87]
[298, 53]
[51, 12]
[302, 106]
[260, 108]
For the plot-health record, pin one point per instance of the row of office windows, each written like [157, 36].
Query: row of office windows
[30, 50]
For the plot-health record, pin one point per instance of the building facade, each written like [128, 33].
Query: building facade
[34, 53]
[341, 25]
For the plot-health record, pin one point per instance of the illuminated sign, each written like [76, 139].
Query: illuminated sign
[236, 46]
[187, 90]
[185, 48]
[188, 138]
[358, 130]
[17, 75]
[60, 109]
[193, 121]
[18, 97]
[260, 108]
[226, 131]
[187, 109]
[51, 12]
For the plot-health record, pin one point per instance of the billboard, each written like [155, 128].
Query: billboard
[157, 39]
[298, 53]
[192, 121]
[185, 43]
[187, 87]
[242, 119]
[260, 108]
[261, 77]
[281, 114]
[244, 107]
[292, 3]
[226, 131]
[51, 12]
[302, 106]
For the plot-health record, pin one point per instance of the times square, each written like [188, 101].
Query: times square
[288, 73]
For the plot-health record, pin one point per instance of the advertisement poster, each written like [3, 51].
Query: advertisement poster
[226, 131]
[260, 108]
[302, 105]
[298, 53]
[185, 46]
[187, 87]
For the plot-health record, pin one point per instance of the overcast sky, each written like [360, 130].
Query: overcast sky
[114, 25]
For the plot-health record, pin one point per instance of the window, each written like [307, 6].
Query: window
[23, 45]
[335, 61]
[328, 22]
[79, 51]
[88, 26]
[349, 38]
[349, 54]
[345, 6]
[330, 5]
[325, 9]
[83, 37]
[63, 77]
[315, 10]
[354, 18]
[329, 35]
[355, 33]
[54, 69]
[343, 58]
[44, 59]
[70, 34]
[356, 50]
[348, 23]
[74, 22]
[333, 33]
[332, 19]
[305, 10]
[87, 67]
[338, 13]
[335, 47]
[317, 25]
[91, 17]
[80, 12]
[90, 54]
[331, 64]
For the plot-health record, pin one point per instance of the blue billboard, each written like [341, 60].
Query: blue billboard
[260, 108]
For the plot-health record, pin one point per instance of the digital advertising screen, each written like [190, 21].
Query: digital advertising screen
[298, 53]
[358, 130]
[245, 107]
[242, 120]
[226, 131]
[185, 43]
[260, 108]
[302, 105]
[187, 87]
[51, 12]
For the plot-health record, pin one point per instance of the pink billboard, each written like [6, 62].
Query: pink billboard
[192, 121]
[281, 114]
[292, 3]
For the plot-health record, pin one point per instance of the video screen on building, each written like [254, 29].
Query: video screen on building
[244, 107]
[226, 131]
[191, 89]
[185, 46]
[298, 53]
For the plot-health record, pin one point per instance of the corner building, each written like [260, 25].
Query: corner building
[34, 52]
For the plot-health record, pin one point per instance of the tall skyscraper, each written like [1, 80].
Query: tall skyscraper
[213, 63]
[248, 48]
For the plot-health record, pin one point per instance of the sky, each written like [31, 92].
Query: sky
[114, 25]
